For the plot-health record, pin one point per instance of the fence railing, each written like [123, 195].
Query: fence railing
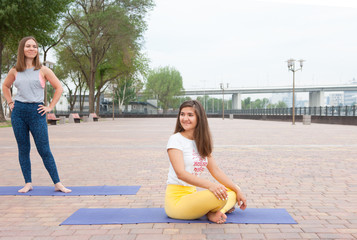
[314, 111]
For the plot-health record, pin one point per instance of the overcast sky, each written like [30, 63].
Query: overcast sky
[246, 42]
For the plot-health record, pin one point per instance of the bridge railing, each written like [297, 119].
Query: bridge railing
[314, 111]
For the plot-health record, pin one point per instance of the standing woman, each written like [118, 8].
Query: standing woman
[190, 153]
[28, 111]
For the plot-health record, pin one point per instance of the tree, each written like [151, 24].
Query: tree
[164, 84]
[178, 101]
[203, 100]
[257, 104]
[125, 70]
[99, 27]
[69, 73]
[8, 61]
[260, 103]
[246, 103]
[20, 18]
[126, 90]
[281, 104]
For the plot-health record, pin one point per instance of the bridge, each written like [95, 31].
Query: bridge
[316, 93]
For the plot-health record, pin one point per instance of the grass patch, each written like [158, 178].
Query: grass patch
[5, 124]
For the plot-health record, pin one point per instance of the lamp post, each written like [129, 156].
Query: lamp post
[223, 87]
[291, 67]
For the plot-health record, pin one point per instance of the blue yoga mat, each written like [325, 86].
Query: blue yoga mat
[76, 191]
[100, 216]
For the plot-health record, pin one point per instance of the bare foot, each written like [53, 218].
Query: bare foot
[26, 188]
[217, 217]
[231, 210]
[60, 188]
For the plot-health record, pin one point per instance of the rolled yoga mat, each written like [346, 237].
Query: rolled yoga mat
[76, 191]
[100, 216]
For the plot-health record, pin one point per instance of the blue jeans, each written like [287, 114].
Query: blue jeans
[25, 119]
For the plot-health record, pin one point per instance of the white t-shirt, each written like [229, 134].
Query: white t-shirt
[194, 163]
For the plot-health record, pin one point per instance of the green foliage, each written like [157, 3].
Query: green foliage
[105, 40]
[69, 73]
[36, 18]
[214, 104]
[164, 84]
[5, 124]
[177, 101]
[50, 92]
[281, 104]
[8, 59]
[261, 104]
[19, 18]
[257, 104]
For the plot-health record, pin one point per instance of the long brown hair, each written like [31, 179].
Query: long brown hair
[21, 63]
[202, 134]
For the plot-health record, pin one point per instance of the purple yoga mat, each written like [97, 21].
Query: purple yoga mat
[100, 216]
[76, 191]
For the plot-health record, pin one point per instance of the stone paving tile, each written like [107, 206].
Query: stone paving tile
[310, 170]
[124, 237]
[102, 237]
[224, 236]
[152, 237]
[189, 237]
[17, 238]
[74, 237]
[252, 236]
[282, 236]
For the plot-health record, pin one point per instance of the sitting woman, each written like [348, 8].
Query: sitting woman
[190, 153]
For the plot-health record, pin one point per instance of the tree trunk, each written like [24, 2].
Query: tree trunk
[98, 103]
[91, 92]
[81, 102]
[122, 100]
[92, 79]
[120, 106]
[2, 116]
[72, 99]
[82, 96]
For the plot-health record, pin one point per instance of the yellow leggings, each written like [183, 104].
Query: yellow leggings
[185, 202]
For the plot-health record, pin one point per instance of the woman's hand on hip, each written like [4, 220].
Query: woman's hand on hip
[43, 109]
[219, 190]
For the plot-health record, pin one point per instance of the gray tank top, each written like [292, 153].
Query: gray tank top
[30, 85]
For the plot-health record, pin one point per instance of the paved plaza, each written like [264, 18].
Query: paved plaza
[310, 170]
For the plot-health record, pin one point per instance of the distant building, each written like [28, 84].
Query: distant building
[302, 103]
[288, 99]
[142, 107]
[335, 99]
[62, 104]
[284, 97]
[103, 104]
[350, 98]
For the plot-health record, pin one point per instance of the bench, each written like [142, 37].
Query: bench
[52, 119]
[74, 118]
[94, 117]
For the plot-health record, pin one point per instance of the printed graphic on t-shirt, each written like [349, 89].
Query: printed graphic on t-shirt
[199, 163]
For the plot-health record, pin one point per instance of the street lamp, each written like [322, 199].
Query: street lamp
[291, 67]
[223, 87]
